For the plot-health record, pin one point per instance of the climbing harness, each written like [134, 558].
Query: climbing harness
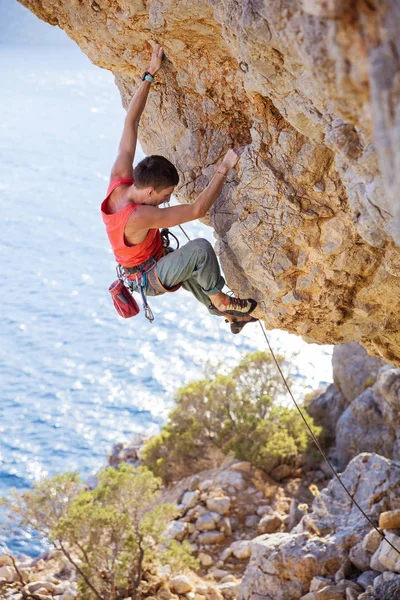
[137, 278]
[316, 442]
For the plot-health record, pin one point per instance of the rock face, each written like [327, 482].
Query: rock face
[285, 566]
[309, 222]
[361, 410]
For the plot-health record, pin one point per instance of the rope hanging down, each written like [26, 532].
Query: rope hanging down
[316, 442]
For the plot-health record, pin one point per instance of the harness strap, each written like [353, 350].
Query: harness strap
[155, 282]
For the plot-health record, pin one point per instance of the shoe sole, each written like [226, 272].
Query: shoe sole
[236, 327]
[237, 313]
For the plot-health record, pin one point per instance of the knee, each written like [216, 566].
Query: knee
[203, 245]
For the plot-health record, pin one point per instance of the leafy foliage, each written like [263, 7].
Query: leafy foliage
[112, 534]
[240, 413]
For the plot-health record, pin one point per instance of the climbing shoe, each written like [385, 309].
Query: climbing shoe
[236, 307]
[237, 326]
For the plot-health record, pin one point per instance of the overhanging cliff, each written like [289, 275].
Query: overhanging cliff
[309, 222]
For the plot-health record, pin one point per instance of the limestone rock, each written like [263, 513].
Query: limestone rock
[269, 523]
[371, 541]
[189, 499]
[220, 504]
[326, 409]
[309, 221]
[210, 537]
[177, 530]
[180, 584]
[208, 521]
[367, 578]
[354, 369]
[386, 558]
[241, 549]
[390, 519]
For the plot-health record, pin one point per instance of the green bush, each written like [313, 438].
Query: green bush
[112, 535]
[240, 413]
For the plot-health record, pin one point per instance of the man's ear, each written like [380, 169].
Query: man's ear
[150, 191]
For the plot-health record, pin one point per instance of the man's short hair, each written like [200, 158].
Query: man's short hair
[155, 171]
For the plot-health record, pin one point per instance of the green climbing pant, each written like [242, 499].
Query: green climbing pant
[195, 266]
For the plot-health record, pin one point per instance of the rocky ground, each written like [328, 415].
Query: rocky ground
[296, 536]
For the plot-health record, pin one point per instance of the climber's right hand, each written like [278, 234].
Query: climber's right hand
[156, 58]
[231, 158]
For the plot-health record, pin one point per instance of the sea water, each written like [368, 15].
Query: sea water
[75, 378]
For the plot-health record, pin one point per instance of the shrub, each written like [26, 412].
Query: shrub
[112, 535]
[240, 413]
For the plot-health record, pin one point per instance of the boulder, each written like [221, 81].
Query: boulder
[326, 409]
[283, 565]
[354, 369]
[363, 428]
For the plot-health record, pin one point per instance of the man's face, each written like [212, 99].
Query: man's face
[162, 196]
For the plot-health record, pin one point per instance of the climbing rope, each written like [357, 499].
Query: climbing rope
[315, 440]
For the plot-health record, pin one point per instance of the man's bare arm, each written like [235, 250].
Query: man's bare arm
[151, 217]
[123, 166]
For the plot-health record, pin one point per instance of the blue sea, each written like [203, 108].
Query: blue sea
[76, 378]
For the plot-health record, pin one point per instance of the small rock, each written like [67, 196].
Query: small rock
[189, 499]
[251, 521]
[243, 467]
[390, 519]
[205, 559]
[367, 578]
[208, 521]
[269, 524]
[219, 573]
[318, 583]
[201, 589]
[360, 557]
[194, 483]
[9, 574]
[233, 479]
[210, 537]
[213, 594]
[229, 590]
[228, 578]
[177, 530]
[371, 541]
[220, 504]
[226, 554]
[69, 594]
[205, 485]
[241, 549]
[265, 509]
[36, 585]
[281, 472]
[386, 558]
[180, 584]
[225, 526]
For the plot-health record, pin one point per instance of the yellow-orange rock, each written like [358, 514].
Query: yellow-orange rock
[309, 222]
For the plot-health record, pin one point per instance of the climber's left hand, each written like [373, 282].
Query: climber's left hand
[156, 58]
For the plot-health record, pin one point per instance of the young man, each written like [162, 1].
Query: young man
[132, 217]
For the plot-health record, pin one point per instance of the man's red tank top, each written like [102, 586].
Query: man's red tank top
[128, 256]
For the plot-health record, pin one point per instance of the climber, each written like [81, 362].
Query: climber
[132, 215]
